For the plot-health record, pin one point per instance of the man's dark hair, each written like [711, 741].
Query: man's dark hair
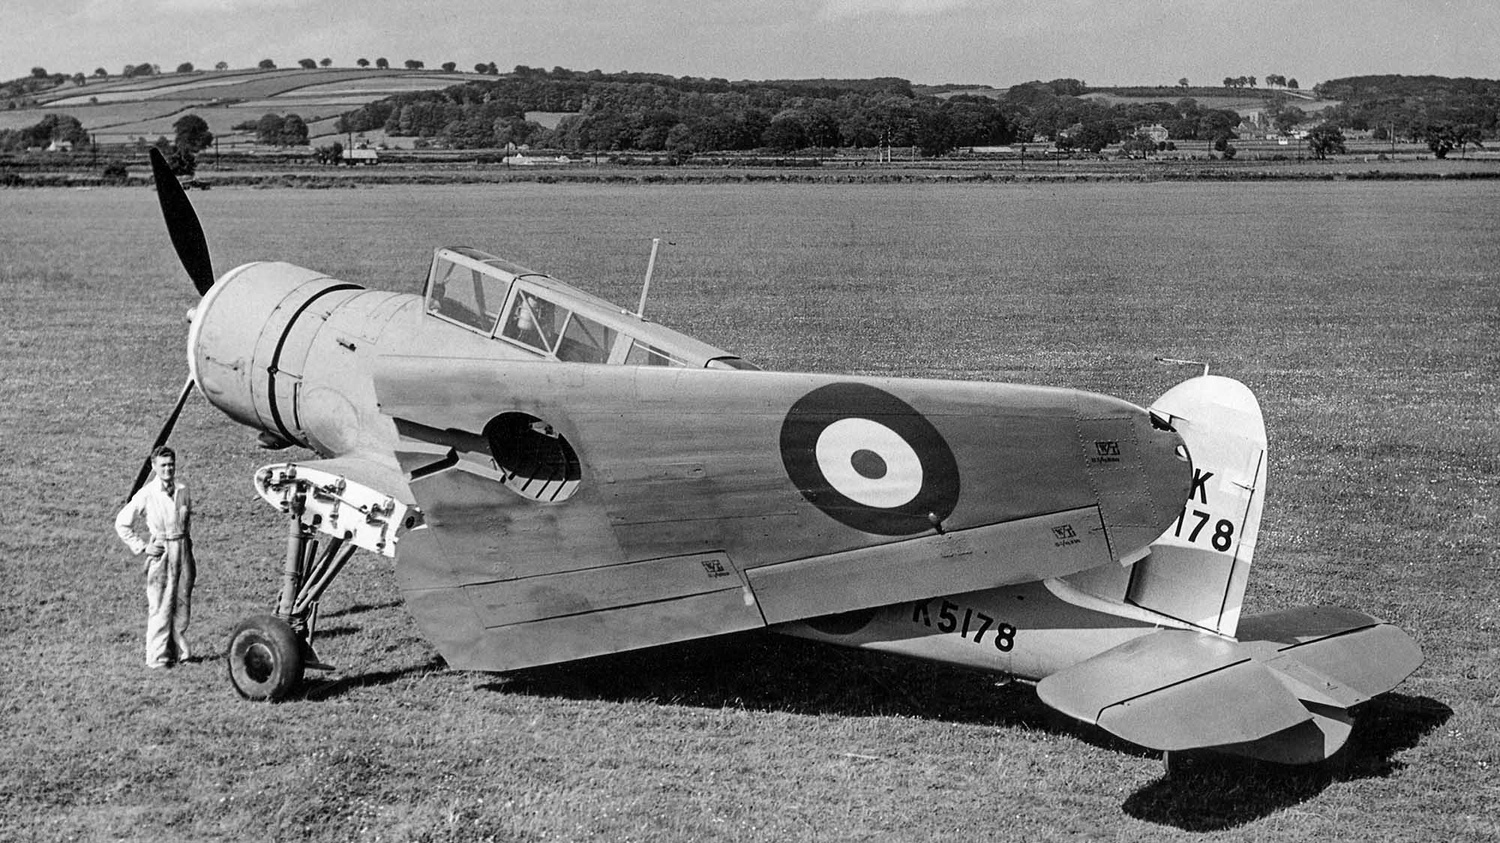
[163, 451]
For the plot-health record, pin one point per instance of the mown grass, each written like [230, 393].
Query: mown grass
[1364, 316]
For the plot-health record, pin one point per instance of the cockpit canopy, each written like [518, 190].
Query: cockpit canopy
[509, 303]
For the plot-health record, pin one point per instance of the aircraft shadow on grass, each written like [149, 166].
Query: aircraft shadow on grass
[1213, 792]
[1218, 793]
[359, 609]
[762, 673]
[347, 629]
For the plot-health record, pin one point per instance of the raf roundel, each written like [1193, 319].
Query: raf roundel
[869, 460]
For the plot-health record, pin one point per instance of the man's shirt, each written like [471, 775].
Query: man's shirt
[167, 516]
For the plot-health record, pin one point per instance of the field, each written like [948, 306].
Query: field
[117, 109]
[1364, 315]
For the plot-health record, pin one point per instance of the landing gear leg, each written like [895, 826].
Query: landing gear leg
[268, 653]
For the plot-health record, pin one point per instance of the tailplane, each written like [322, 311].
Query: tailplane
[1282, 693]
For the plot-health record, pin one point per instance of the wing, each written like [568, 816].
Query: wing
[578, 509]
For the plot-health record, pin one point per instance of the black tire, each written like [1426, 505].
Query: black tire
[265, 658]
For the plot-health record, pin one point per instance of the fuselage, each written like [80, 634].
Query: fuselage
[546, 433]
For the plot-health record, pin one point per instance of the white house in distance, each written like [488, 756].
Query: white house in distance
[363, 155]
[1157, 132]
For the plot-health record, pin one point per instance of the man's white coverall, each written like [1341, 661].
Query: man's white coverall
[169, 567]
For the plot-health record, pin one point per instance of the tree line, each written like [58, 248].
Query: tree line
[1445, 113]
[687, 115]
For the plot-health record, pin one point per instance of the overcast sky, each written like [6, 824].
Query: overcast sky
[994, 42]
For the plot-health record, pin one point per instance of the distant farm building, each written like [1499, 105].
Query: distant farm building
[361, 156]
[1157, 132]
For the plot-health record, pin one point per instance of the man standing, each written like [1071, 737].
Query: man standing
[169, 557]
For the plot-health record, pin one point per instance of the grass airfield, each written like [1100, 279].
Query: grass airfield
[1365, 317]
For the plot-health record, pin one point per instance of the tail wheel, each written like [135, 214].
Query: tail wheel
[265, 658]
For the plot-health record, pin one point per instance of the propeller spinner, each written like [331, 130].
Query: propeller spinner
[192, 250]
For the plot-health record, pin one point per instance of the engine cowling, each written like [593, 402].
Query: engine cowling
[285, 350]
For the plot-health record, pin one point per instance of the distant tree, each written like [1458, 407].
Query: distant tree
[414, 64]
[1229, 152]
[325, 62]
[330, 154]
[1286, 118]
[266, 64]
[382, 63]
[137, 70]
[293, 131]
[1141, 145]
[1443, 138]
[101, 72]
[223, 65]
[1068, 87]
[181, 160]
[1468, 133]
[39, 73]
[80, 79]
[1182, 83]
[481, 68]
[786, 133]
[363, 62]
[185, 67]
[1292, 83]
[54, 127]
[268, 128]
[1325, 140]
[307, 64]
[192, 133]
[1250, 80]
[493, 70]
[1275, 79]
[1096, 134]
[1439, 138]
[450, 66]
[1229, 81]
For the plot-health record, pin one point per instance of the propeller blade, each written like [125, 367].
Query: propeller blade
[161, 438]
[182, 224]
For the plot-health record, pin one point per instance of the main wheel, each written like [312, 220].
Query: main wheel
[265, 658]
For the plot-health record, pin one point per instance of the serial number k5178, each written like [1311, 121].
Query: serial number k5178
[970, 621]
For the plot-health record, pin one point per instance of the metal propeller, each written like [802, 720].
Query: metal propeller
[182, 224]
[192, 250]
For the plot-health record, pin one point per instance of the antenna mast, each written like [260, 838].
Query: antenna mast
[640, 309]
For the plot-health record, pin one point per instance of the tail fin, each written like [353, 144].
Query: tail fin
[1196, 572]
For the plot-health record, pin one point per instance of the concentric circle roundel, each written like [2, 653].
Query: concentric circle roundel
[869, 460]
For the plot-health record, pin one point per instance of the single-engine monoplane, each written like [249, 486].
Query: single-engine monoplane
[558, 478]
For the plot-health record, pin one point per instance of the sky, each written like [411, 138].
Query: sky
[984, 42]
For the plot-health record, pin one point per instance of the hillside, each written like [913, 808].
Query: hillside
[1239, 100]
[585, 112]
[118, 109]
